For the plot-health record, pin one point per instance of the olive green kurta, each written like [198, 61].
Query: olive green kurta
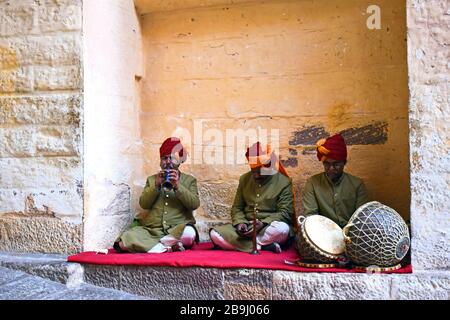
[337, 201]
[272, 199]
[169, 212]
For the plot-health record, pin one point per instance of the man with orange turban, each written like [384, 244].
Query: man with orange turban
[266, 191]
[170, 197]
[333, 193]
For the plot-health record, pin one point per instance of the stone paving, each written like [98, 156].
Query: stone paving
[18, 285]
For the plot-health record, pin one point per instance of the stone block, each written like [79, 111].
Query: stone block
[17, 19]
[17, 142]
[19, 79]
[103, 276]
[31, 17]
[64, 203]
[422, 286]
[39, 234]
[44, 110]
[57, 78]
[60, 18]
[217, 199]
[58, 141]
[174, 283]
[26, 141]
[329, 286]
[28, 288]
[47, 50]
[45, 173]
[8, 277]
[242, 291]
[248, 284]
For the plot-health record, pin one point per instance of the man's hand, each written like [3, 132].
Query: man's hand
[174, 178]
[241, 228]
[249, 232]
[159, 179]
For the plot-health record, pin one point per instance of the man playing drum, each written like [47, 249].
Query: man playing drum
[265, 191]
[333, 193]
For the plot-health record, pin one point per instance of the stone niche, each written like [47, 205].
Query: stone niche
[299, 70]
[288, 72]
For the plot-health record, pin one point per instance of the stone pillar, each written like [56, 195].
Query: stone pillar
[111, 105]
[428, 60]
[41, 120]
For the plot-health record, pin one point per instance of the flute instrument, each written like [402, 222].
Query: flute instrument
[255, 249]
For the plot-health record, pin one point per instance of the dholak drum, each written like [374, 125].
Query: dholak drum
[319, 240]
[376, 236]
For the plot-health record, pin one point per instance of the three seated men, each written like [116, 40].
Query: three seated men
[171, 196]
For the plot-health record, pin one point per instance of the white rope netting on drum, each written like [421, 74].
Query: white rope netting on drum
[376, 234]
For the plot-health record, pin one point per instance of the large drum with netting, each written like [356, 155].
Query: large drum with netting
[319, 240]
[376, 236]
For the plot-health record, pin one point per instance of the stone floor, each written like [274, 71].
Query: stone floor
[18, 285]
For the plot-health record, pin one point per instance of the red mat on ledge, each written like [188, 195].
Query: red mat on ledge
[201, 255]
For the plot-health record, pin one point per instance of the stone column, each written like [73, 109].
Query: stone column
[428, 60]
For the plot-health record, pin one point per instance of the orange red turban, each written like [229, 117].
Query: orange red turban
[333, 147]
[262, 156]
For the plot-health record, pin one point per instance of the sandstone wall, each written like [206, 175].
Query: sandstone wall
[306, 69]
[41, 125]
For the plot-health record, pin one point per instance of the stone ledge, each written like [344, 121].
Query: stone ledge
[50, 266]
[234, 284]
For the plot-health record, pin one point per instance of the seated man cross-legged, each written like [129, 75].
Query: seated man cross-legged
[170, 197]
[333, 193]
[265, 191]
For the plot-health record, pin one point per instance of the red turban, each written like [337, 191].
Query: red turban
[171, 146]
[259, 156]
[333, 147]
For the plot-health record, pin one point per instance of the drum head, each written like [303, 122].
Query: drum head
[325, 234]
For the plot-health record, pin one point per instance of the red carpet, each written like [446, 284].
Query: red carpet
[202, 256]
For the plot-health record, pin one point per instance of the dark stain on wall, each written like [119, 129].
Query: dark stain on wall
[375, 133]
[290, 162]
[370, 134]
[308, 136]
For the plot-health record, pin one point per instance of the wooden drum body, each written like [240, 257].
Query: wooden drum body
[319, 239]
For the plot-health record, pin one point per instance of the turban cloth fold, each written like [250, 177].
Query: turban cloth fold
[172, 147]
[333, 147]
[262, 156]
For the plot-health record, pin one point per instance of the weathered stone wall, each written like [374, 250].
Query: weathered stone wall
[304, 68]
[261, 284]
[41, 120]
[111, 105]
[428, 61]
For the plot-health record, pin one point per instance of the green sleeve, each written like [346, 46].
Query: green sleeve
[188, 195]
[285, 207]
[361, 195]
[149, 194]
[237, 210]
[309, 202]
